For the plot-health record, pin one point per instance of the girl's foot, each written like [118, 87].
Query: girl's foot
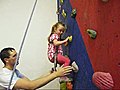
[75, 67]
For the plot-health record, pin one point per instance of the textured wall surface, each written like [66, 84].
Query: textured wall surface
[92, 55]
[77, 50]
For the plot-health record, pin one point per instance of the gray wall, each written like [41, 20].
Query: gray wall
[14, 16]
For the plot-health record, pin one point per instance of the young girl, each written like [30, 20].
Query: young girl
[55, 44]
[55, 48]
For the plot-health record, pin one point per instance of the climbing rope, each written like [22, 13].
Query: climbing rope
[26, 31]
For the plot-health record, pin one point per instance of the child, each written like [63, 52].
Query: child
[55, 48]
[55, 44]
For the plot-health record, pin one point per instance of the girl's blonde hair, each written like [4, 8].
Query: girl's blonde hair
[54, 27]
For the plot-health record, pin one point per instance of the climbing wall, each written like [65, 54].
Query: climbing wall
[77, 50]
[101, 54]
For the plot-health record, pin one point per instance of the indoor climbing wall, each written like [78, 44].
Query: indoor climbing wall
[97, 50]
[77, 50]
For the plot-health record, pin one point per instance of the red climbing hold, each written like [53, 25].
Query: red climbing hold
[103, 80]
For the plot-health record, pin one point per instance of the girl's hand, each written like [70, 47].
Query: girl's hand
[66, 41]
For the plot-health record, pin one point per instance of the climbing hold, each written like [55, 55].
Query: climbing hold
[58, 10]
[61, 2]
[103, 80]
[92, 33]
[105, 0]
[70, 38]
[73, 14]
[63, 86]
[64, 13]
[66, 83]
[69, 85]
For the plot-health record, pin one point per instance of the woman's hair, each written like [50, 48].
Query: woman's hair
[5, 53]
[54, 27]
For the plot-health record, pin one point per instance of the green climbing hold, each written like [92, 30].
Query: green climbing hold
[73, 14]
[63, 86]
[92, 33]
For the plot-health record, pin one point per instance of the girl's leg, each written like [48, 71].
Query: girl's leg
[63, 60]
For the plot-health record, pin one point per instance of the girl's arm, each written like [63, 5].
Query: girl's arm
[57, 43]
